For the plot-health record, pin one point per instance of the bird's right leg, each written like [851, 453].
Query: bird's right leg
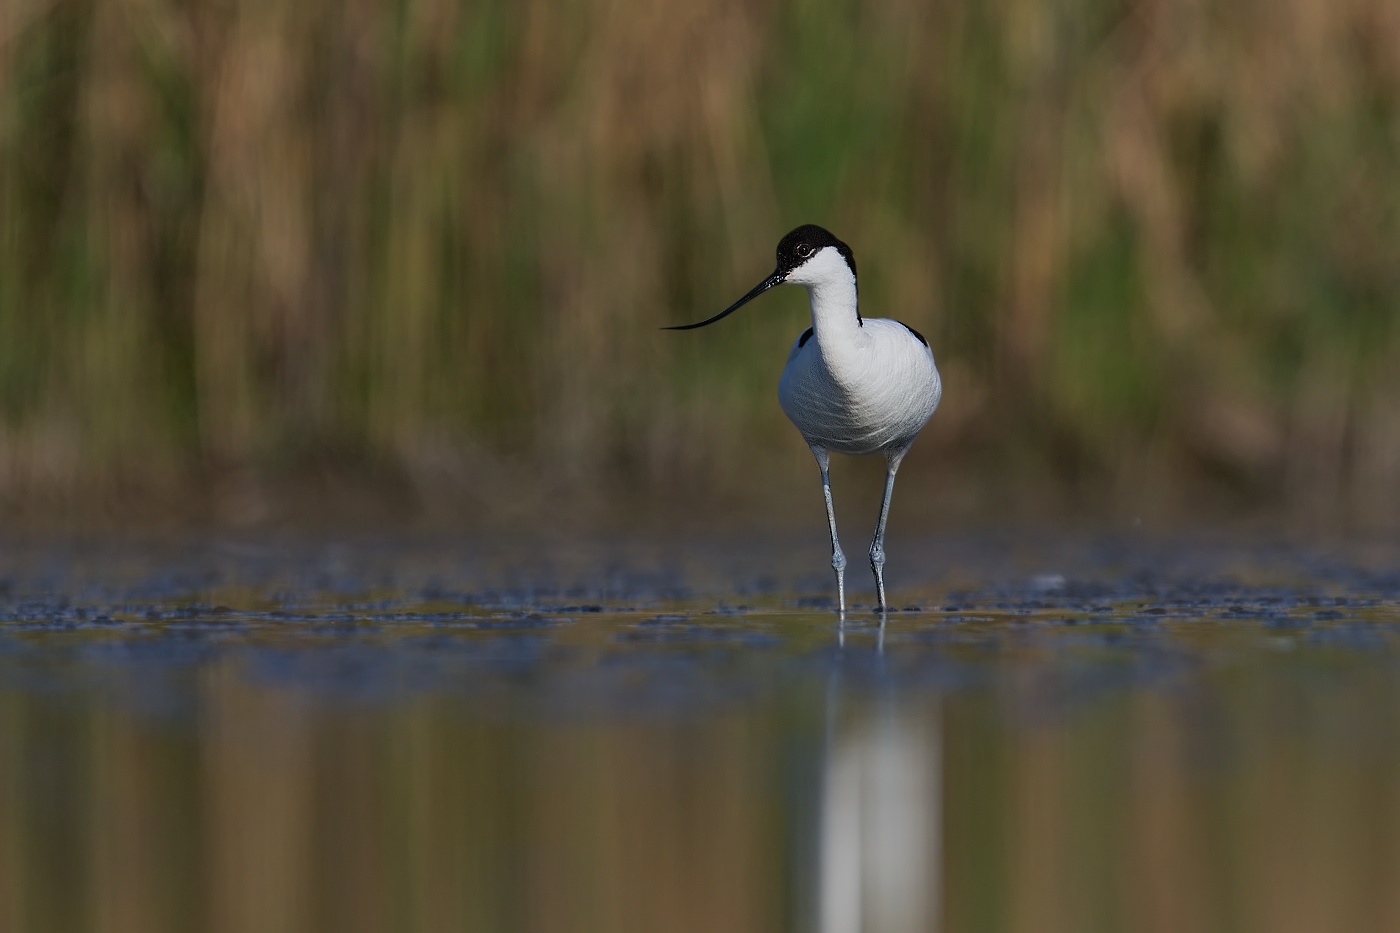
[838, 559]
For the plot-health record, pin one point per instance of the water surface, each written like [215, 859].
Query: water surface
[1095, 733]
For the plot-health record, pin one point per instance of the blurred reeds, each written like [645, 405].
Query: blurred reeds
[1156, 245]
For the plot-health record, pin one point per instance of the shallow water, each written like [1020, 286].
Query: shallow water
[1102, 733]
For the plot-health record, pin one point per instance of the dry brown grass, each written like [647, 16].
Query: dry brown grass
[1156, 245]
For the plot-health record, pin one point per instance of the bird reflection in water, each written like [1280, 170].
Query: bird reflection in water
[879, 863]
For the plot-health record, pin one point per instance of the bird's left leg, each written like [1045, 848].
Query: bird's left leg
[877, 547]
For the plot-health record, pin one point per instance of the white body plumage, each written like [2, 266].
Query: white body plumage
[851, 385]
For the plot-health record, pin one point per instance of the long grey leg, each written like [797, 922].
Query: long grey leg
[877, 547]
[838, 559]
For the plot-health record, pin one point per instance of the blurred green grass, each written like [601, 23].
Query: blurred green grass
[426, 246]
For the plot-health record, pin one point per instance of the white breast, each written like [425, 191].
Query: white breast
[871, 393]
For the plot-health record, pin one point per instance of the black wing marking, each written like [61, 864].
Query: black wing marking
[908, 328]
[807, 335]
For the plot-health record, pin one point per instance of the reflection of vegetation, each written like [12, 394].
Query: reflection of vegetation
[1149, 243]
[254, 807]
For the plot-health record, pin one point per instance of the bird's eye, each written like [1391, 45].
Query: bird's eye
[803, 250]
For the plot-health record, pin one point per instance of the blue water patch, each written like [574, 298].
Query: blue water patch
[382, 624]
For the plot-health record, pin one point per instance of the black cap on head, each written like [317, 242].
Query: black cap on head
[804, 242]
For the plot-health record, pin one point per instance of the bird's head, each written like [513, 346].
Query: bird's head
[808, 255]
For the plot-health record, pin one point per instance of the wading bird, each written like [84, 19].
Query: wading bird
[851, 385]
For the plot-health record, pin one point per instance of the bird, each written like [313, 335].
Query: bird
[852, 385]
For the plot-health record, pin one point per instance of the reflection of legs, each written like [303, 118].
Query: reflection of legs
[838, 559]
[877, 547]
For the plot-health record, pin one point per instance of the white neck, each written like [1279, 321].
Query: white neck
[834, 308]
[831, 289]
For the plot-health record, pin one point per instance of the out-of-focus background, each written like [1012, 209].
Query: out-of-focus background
[265, 260]
[370, 559]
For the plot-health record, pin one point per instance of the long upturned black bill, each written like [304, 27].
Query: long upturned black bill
[775, 279]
